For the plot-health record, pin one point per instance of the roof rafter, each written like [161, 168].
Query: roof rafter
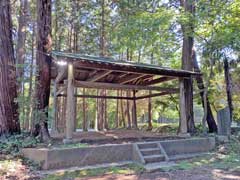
[98, 76]
[98, 85]
[159, 80]
[130, 78]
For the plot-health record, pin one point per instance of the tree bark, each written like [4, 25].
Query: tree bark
[20, 55]
[106, 127]
[150, 113]
[127, 111]
[30, 98]
[84, 113]
[103, 36]
[187, 29]
[9, 121]
[134, 111]
[122, 112]
[117, 114]
[228, 87]
[43, 61]
[212, 126]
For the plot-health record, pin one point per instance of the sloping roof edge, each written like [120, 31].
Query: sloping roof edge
[112, 61]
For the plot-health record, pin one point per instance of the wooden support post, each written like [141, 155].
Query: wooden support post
[55, 110]
[182, 106]
[134, 112]
[70, 105]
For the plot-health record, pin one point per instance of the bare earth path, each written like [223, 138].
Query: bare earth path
[201, 173]
[15, 170]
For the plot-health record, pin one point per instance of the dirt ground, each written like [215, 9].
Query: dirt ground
[115, 136]
[203, 173]
[20, 172]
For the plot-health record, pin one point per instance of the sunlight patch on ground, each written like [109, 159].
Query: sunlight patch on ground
[223, 175]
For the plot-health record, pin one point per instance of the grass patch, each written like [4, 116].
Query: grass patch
[227, 160]
[128, 169]
[72, 145]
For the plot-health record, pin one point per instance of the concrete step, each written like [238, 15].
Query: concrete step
[150, 151]
[147, 145]
[154, 158]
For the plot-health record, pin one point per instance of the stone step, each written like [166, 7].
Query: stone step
[147, 145]
[150, 151]
[154, 158]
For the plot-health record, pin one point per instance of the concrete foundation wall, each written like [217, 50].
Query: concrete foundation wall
[186, 146]
[69, 157]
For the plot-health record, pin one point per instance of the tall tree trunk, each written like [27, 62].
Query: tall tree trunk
[134, 112]
[102, 102]
[100, 111]
[106, 127]
[187, 29]
[103, 35]
[117, 115]
[20, 55]
[127, 111]
[212, 126]
[96, 114]
[9, 121]
[84, 113]
[117, 110]
[43, 61]
[228, 87]
[122, 112]
[30, 99]
[150, 112]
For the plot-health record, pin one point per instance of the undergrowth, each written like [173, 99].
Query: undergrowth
[11, 145]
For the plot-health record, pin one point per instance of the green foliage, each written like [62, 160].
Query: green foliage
[12, 144]
[145, 32]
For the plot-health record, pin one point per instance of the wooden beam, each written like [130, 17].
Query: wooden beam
[159, 80]
[98, 76]
[146, 77]
[155, 95]
[99, 85]
[61, 89]
[124, 74]
[61, 74]
[98, 97]
[130, 78]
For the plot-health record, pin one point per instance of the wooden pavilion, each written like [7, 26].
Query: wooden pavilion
[71, 71]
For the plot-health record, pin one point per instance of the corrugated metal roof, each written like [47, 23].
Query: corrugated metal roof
[112, 61]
